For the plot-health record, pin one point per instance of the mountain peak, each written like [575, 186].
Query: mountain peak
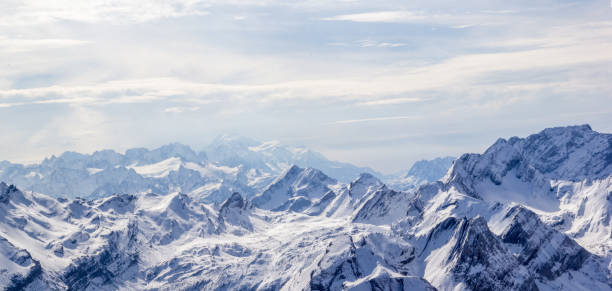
[293, 170]
[572, 128]
[421, 172]
[12, 193]
[363, 185]
[572, 153]
[177, 149]
[4, 192]
[175, 146]
[430, 170]
[295, 181]
[235, 201]
[366, 177]
[3, 187]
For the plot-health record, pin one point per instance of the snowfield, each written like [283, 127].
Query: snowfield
[527, 214]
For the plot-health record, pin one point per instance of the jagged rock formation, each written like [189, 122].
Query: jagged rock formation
[296, 186]
[235, 164]
[516, 217]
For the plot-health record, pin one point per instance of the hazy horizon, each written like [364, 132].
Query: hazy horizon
[406, 167]
[374, 84]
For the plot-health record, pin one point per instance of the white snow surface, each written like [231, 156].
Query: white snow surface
[229, 164]
[516, 217]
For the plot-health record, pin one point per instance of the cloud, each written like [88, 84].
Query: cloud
[455, 19]
[18, 45]
[379, 68]
[386, 118]
[392, 101]
[373, 43]
[36, 12]
[181, 109]
[380, 16]
[80, 129]
[472, 73]
[369, 43]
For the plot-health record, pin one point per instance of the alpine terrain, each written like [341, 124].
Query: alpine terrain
[229, 164]
[529, 213]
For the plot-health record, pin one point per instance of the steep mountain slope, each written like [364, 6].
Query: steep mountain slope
[172, 242]
[18, 268]
[531, 206]
[501, 220]
[563, 173]
[294, 189]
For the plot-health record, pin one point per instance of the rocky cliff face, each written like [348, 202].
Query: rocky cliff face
[479, 259]
[570, 153]
[512, 218]
[295, 185]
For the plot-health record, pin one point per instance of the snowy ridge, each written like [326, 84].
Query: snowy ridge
[564, 173]
[170, 168]
[234, 164]
[502, 220]
[295, 188]
[149, 241]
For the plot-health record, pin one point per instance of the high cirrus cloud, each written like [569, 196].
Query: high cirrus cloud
[325, 72]
[36, 12]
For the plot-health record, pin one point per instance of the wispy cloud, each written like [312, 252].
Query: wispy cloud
[17, 45]
[386, 118]
[373, 43]
[392, 101]
[377, 67]
[380, 16]
[369, 43]
[455, 20]
[460, 73]
[36, 12]
[80, 129]
[181, 109]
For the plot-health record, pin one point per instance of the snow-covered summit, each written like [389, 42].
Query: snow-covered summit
[142, 156]
[275, 157]
[235, 201]
[364, 184]
[421, 172]
[161, 170]
[572, 153]
[512, 218]
[233, 163]
[295, 182]
[562, 173]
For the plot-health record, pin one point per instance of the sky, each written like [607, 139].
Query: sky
[374, 83]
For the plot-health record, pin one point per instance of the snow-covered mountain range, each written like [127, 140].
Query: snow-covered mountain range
[527, 214]
[229, 164]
